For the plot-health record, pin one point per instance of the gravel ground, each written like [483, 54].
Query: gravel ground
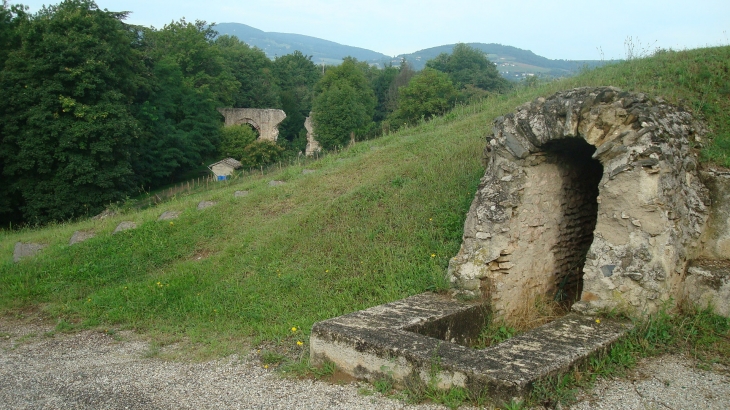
[92, 370]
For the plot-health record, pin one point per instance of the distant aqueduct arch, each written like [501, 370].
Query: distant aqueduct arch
[266, 121]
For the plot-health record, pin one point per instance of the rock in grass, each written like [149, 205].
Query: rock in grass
[80, 236]
[240, 194]
[308, 171]
[123, 226]
[206, 204]
[168, 215]
[276, 183]
[23, 250]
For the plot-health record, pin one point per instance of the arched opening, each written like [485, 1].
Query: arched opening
[251, 126]
[580, 174]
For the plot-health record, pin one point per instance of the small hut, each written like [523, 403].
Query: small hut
[224, 168]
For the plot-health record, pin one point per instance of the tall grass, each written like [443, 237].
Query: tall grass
[375, 223]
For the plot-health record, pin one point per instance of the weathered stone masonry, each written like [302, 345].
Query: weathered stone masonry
[266, 121]
[591, 193]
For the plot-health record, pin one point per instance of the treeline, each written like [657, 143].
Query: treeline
[92, 109]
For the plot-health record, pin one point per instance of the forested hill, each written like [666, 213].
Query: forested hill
[511, 61]
[279, 44]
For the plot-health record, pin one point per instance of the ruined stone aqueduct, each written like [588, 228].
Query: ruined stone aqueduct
[266, 122]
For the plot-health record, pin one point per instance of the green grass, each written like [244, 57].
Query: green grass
[359, 232]
[697, 333]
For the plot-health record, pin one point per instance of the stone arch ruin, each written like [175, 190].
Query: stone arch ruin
[265, 121]
[592, 195]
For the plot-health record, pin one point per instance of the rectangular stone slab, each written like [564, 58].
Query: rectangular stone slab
[382, 341]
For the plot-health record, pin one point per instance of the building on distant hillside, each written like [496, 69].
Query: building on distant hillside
[224, 168]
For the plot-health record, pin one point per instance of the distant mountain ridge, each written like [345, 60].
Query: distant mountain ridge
[512, 62]
[279, 44]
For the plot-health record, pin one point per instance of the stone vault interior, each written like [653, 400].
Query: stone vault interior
[577, 214]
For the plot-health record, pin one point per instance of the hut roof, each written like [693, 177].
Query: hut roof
[228, 161]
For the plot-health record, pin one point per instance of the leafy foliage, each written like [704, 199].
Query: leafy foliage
[429, 93]
[344, 105]
[296, 75]
[469, 66]
[253, 72]
[187, 78]
[235, 139]
[260, 153]
[66, 123]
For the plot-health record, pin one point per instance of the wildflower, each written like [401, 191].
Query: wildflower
[299, 343]
[327, 271]
[266, 366]
[598, 320]
[88, 300]
[172, 223]
[430, 219]
[433, 255]
[293, 329]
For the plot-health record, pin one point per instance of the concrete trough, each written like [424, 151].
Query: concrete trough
[426, 337]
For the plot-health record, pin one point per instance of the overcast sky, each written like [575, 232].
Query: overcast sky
[558, 29]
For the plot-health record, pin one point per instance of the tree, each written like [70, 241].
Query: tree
[253, 72]
[234, 140]
[187, 79]
[381, 85]
[10, 18]
[469, 66]
[296, 76]
[344, 105]
[65, 123]
[429, 93]
[405, 73]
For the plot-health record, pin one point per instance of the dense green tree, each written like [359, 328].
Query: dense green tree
[296, 75]
[381, 85]
[253, 71]
[10, 18]
[187, 79]
[65, 124]
[344, 105]
[405, 73]
[234, 140]
[261, 152]
[469, 66]
[429, 93]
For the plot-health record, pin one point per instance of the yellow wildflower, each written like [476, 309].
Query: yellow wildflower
[433, 255]
[299, 343]
[598, 320]
[294, 329]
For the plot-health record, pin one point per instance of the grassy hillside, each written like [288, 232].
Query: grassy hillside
[373, 224]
